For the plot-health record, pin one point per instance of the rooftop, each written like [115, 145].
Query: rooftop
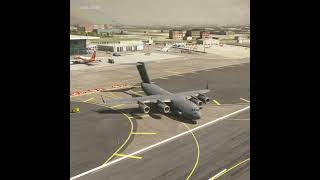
[77, 37]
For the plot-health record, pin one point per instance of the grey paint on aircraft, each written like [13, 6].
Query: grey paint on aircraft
[179, 103]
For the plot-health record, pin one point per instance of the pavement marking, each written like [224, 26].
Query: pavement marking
[88, 100]
[217, 175]
[240, 119]
[198, 152]
[173, 73]
[140, 91]
[117, 105]
[147, 115]
[245, 100]
[227, 170]
[124, 143]
[163, 78]
[208, 70]
[156, 144]
[125, 155]
[136, 93]
[113, 95]
[145, 133]
[215, 101]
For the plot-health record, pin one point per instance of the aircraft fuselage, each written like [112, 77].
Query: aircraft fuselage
[180, 105]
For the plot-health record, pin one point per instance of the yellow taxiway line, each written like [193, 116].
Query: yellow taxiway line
[112, 94]
[117, 105]
[198, 152]
[245, 100]
[136, 93]
[215, 101]
[227, 170]
[144, 133]
[125, 155]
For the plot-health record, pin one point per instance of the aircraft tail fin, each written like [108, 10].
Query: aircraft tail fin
[143, 72]
[93, 57]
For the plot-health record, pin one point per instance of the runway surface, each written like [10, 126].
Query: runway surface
[94, 136]
[222, 145]
[227, 84]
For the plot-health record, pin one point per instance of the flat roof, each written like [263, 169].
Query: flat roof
[77, 37]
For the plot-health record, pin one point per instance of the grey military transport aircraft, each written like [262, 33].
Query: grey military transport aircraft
[185, 104]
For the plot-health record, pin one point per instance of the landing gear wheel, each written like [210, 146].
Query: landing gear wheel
[193, 122]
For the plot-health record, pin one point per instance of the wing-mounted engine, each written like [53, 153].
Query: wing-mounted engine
[204, 98]
[163, 107]
[143, 107]
[196, 101]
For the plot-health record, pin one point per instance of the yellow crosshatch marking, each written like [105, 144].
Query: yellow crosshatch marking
[245, 100]
[125, 155]
[145, 133]
[215, 101]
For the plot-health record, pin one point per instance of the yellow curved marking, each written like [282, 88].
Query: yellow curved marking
[125, 142]
[131, 129]
[198, 155]
[231, 168]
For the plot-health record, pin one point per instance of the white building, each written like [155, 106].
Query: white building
[243, 39]
[208, 41]
[122, 46]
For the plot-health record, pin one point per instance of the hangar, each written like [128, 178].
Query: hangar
[78, 44]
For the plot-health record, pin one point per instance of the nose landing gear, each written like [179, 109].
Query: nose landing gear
[194, 122]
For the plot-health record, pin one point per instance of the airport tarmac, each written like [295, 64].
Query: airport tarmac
[223, 145]
[104, 77]
[94, 136]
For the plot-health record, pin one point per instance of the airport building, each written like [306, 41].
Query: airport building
[106, 31]
[243, 39]
[204, 34]
[208, 41]
[78, 44]
[176, 34]
[194, 33]
[122, 46]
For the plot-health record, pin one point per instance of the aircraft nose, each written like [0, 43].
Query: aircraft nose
[197, 115]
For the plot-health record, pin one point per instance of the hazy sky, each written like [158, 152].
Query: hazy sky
[142, 12]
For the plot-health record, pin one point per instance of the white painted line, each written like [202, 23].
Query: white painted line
[159, 143]
[240, 119]
[217, 175]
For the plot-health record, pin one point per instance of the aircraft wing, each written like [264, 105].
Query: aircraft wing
[144, 99]
[154, 98]
[188, 94]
